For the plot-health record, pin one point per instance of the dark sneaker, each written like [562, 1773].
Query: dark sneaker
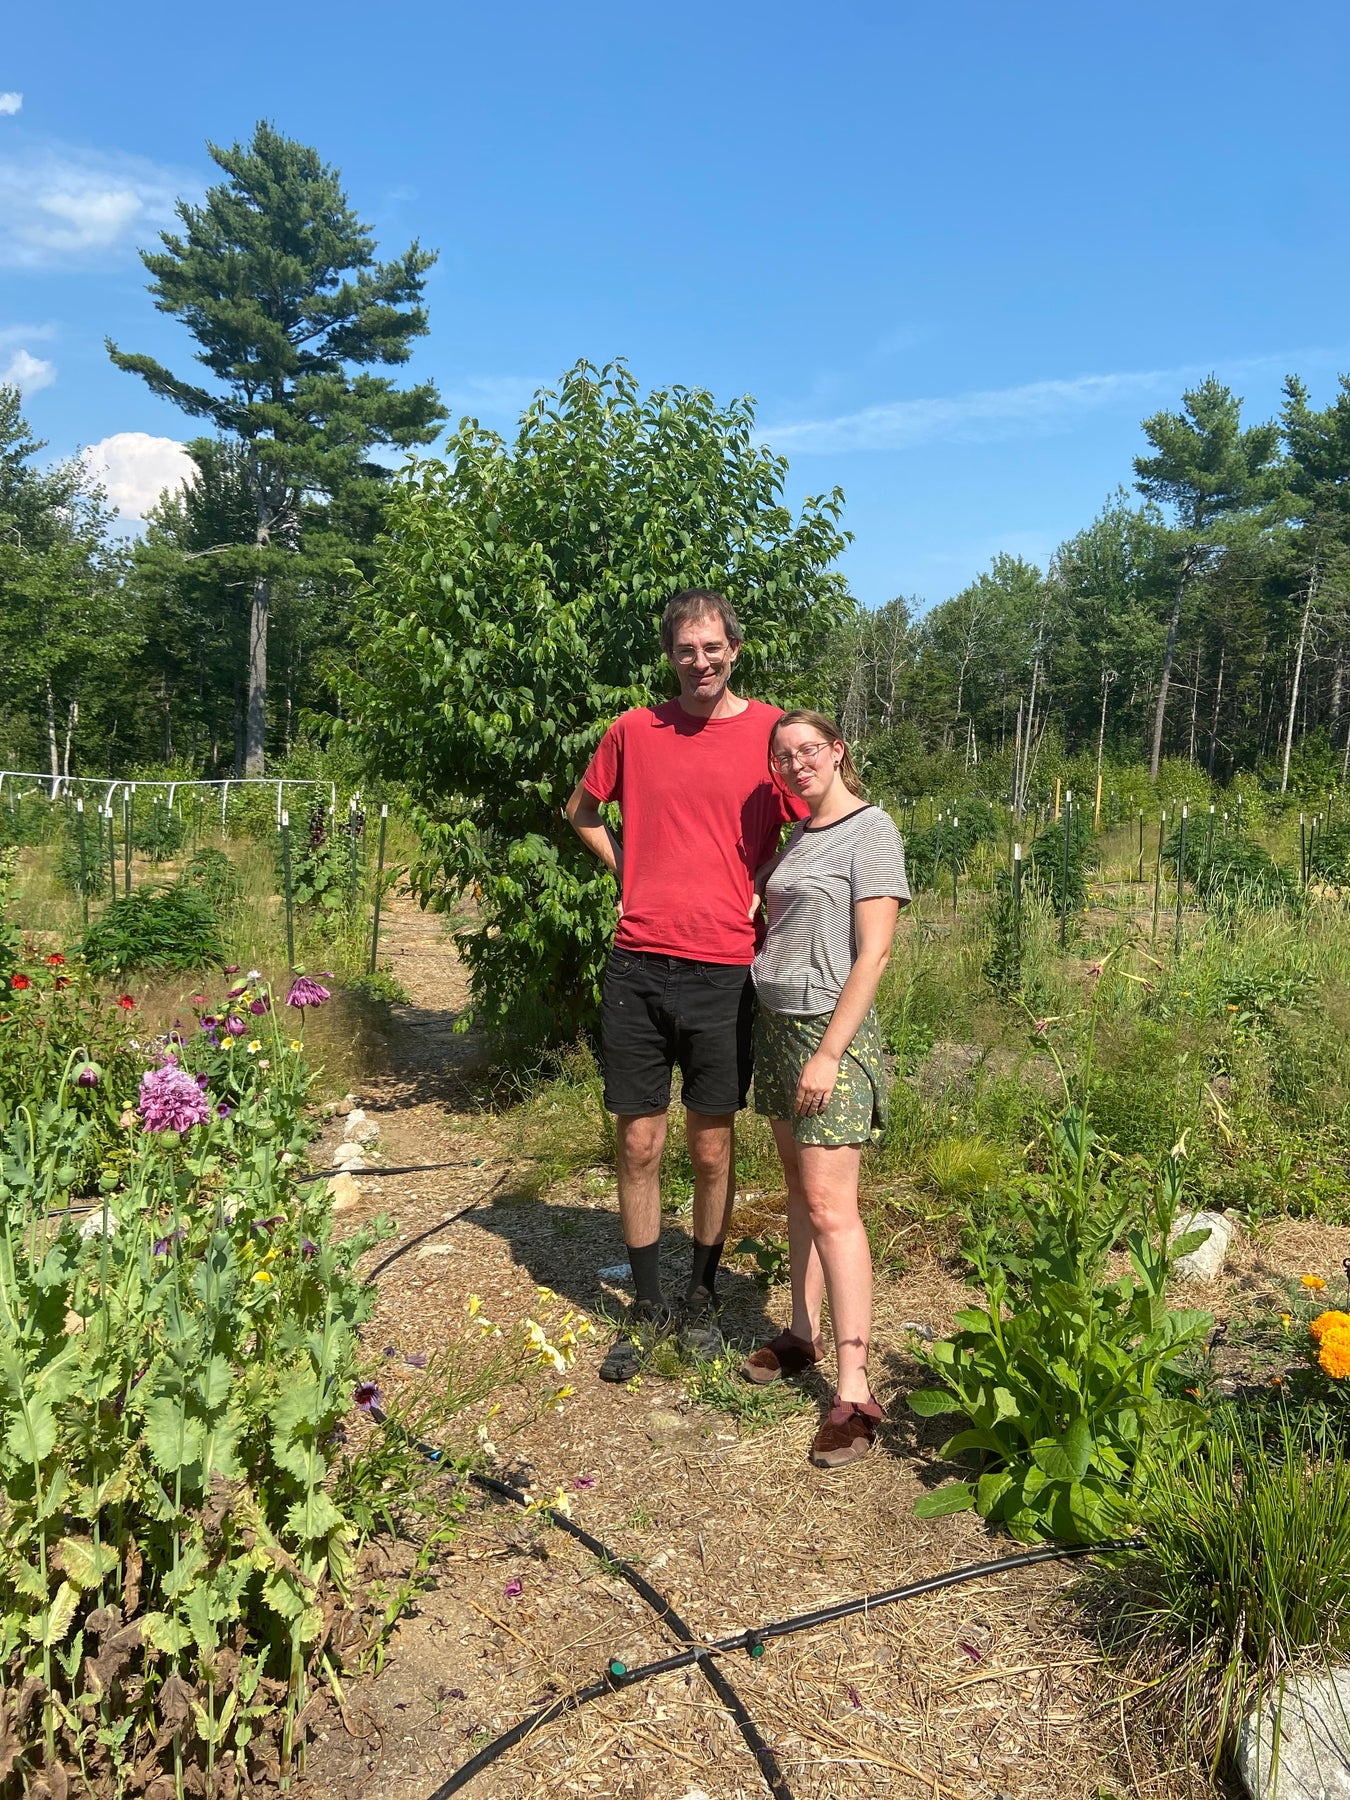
[783, 1355]
[848, 1433]
[699, 1334]
[644, 1328]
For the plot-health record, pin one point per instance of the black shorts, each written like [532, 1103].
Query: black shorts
[658, 1011]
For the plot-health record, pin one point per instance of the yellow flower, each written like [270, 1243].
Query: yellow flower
[254, 1047]
[1313, 1282]
[262, 1275]
[1328, 1322]
[475, 1305]
[1284, 1321]
[296, 1045]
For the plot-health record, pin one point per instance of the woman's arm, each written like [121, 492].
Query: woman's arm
[873, 930]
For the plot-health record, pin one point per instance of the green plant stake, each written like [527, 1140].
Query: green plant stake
[379, 880]
[1017, 909]
[286, 884]
[1141, 844]
[1303, 850]
[1157, 876]
[1181, 877]
[128, 831]
[1209, 839]
[84, 859]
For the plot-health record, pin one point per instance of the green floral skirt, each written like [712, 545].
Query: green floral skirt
[857, 1110]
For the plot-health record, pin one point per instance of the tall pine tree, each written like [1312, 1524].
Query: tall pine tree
[275, 277]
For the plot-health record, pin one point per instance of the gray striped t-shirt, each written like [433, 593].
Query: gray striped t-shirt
[809, 898]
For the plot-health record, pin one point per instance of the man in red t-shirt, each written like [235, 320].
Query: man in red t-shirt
[702, 814]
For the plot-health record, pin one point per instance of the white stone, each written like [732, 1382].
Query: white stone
[360, 1128]
[1206, 1263]
[349, 1156]
[1312, 1719]
[343, 1191]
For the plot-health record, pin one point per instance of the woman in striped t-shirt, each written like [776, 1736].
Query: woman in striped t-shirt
[832, 897]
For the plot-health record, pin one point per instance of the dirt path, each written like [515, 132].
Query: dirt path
[981, 1691]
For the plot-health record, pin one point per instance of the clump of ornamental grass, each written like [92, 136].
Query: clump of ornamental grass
[1244, 1575]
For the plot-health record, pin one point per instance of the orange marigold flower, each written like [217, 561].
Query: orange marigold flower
[56, 959]
[1313, 1282]
[1329, 1321]
[1334, 1355]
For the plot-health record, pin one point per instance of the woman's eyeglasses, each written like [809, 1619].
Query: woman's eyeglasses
[809, 754]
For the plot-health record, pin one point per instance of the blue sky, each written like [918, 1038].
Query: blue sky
[955, 252]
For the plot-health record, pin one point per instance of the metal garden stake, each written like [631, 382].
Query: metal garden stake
[1181, 877]
[1157, 876]
[84, 858]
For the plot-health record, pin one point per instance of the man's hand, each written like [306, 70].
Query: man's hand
[816, 1084]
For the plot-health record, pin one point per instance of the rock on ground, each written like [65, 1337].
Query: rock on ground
[360, 1128]
[1313, 1727]
[1205, 1263]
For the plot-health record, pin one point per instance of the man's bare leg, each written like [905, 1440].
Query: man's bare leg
[712, 1151]
[640, 1139]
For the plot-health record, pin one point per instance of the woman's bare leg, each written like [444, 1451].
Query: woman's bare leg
[829, 1185]
[808, 1279]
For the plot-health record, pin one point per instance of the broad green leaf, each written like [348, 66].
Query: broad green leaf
[314, 1517]
[931, 1403]
[952, 1497]
[1065, 1458]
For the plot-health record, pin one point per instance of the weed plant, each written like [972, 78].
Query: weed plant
[159, 929]
[1244, 1575]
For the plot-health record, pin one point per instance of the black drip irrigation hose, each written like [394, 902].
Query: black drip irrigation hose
[751, 1641]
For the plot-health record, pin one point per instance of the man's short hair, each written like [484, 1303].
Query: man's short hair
[697, 603]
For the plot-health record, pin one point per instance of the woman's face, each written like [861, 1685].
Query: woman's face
[806, 761]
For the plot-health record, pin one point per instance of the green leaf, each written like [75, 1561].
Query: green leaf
[952, 1497]
[314, 1517]
[1066, 1458]
[930, 1403]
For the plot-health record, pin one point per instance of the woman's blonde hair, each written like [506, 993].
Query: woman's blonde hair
[830, 731]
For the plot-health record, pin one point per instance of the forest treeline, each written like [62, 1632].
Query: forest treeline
[1204, 614]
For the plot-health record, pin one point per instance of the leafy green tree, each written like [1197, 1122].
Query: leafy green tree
[275, 277]
[515, 615]
[65, 629]
[1318, 444]
[1214, 475]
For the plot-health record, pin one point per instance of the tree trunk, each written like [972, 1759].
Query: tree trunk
[51, 739]
[1214, 716]
[255, 719]
[255, 724]
[72, 719]
[1169, 651]
[1298, 676]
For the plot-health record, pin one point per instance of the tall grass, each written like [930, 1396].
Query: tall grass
[1244, 1577]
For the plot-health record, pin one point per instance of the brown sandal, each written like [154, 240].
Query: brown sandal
[783, 1355]
[847, 1433]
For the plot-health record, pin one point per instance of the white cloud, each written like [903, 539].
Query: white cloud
[1032, 410]
[10, 103]
[60, 206]
[26, 372]
[135, 469]
[1036, 407]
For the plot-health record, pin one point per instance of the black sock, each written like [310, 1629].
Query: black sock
[704, 1272]
[645, 1262]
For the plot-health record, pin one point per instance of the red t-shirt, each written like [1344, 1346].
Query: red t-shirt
[701, 812]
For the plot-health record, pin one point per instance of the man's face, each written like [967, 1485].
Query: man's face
[703, 658]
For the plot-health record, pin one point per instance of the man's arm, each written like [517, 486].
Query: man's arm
[583, 815]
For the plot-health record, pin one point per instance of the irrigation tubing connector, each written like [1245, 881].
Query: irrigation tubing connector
[751, 1641]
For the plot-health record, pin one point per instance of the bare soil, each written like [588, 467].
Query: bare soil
[990, 1689]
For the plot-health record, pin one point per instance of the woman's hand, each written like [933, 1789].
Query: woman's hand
[817, 1084]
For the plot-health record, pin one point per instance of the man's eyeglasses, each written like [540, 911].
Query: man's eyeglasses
[686, 655]
[809, 754]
